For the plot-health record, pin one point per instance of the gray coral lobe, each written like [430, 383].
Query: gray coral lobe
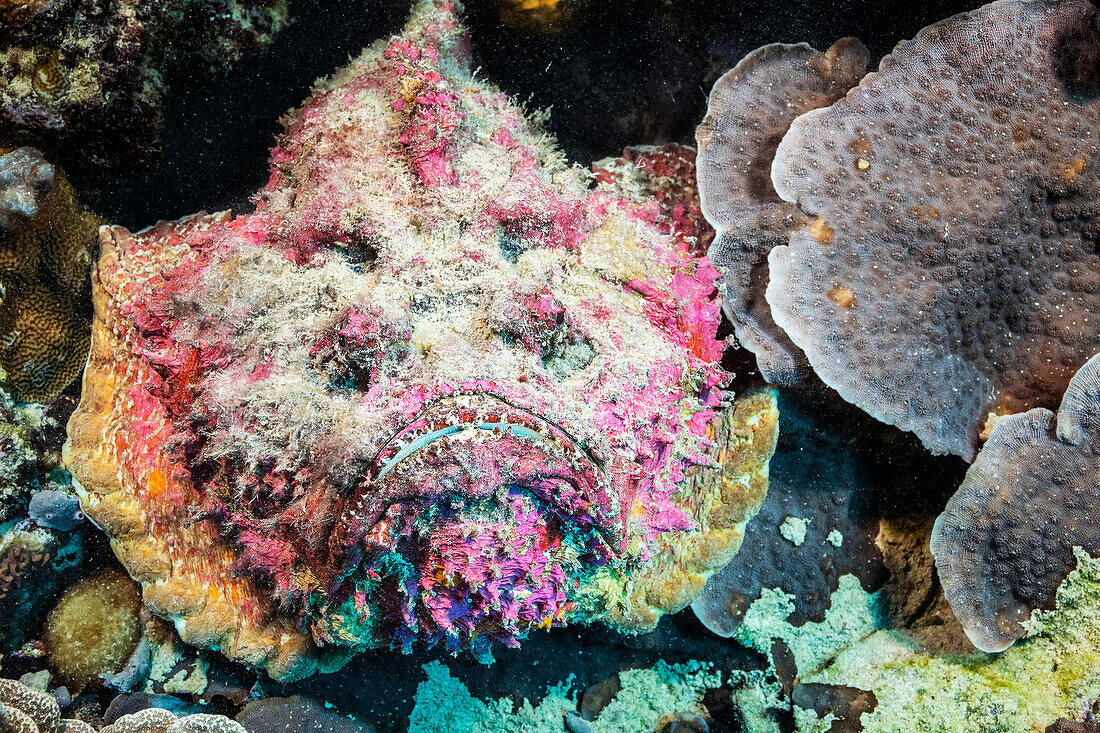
[959, 188]
[750, 109]
[26, 180]
[1005, 541]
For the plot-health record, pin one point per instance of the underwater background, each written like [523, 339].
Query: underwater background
[831, 616]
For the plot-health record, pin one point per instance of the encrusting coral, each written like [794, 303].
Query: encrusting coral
[948, 268]
[1050, 674]
[84, 79]
[1006, 539]
[46, 243]
[749, 110]
[436, 389]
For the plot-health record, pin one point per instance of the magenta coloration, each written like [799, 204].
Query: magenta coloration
[434, 390]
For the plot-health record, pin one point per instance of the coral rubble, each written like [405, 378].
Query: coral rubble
[84, 78]
[435, 389]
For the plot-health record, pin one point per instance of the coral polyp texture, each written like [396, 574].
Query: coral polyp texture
[434, 390]
[1006, 539]
[750, 108]
[948, 266]
[85, 79]
[46, 243]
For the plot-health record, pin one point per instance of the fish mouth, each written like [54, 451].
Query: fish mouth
[493, 511]
[474, 446]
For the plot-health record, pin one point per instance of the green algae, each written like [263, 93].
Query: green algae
[464, 713]
[852, 615]
[793, 530]
[1053, 673]
[645, 696]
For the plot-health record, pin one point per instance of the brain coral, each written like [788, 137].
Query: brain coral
[436, 389]
[750, 109]
[46, 242]
[948, 268]
[1005, 541]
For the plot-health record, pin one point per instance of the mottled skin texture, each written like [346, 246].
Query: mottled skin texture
[750, 109]
[949, 266]
[435, 390]
[84, 78]
[46, 243]
[1005, 541]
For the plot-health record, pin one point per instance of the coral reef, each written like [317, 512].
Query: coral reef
[836, 508]
[35, 563]
[46, 242]
[750, 109]
[948, 267]
[94, 628]
[24, 709]
[642, 699]
[40, 708]
[852, 672]
[157, 720]
[434, 390]
[824, 479]
[84, 79]
[31, 437]
[1050, 675]
[1006, 539]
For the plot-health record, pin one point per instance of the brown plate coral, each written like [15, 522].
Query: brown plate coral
[435, 389]
[1006, 540]
[948, 269]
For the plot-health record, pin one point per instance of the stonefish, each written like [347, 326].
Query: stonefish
[441, 387]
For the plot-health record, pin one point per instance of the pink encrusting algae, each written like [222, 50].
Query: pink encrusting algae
[434, 390]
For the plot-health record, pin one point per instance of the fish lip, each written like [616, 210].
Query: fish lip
[486, 411]
[532, 424]
[475, 410]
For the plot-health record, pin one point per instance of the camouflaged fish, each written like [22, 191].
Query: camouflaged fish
[441, 387]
